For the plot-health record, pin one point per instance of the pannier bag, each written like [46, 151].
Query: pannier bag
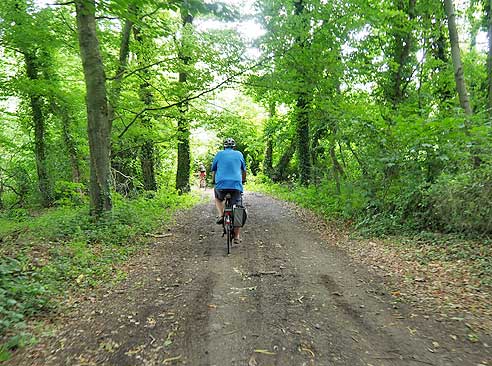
[240, 215]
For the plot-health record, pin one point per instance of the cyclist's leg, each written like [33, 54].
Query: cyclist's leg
[219, 201]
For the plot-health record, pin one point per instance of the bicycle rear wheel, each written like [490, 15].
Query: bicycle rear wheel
[229, 240]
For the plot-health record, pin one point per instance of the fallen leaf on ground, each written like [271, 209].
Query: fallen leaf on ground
[308, 350]
[264, 352]
[167, 360]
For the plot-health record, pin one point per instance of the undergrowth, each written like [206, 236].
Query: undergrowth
[45, 254]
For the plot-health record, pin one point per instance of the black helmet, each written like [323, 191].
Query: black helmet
[229, 142]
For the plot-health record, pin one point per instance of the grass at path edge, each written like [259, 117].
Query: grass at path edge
[61, 250]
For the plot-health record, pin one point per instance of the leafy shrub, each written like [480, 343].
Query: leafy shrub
[461, 202]
[68, 193]
[64, 249]
[322, 199]
[21, 296]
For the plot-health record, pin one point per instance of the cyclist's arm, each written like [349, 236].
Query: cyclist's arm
[213, 177]
[244, 176]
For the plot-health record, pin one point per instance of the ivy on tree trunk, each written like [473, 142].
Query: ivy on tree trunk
[302, 114]
[184, 160]
[147, 150]
[38, 118]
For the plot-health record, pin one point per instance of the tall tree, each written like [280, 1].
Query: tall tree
[62, 109]
[403, 44]
[147, 150]
[456, 57]
[268, 131]
[31, 58]
[98, 122]
[183, 167]
[30, 43]
[302, 103]
[121, 156]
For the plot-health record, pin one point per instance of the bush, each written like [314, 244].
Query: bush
[21, 296]
[69, 193]
[461, 203]
[322, 198]
[65, 249]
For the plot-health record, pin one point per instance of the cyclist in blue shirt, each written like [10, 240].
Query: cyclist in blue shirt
[229, 174]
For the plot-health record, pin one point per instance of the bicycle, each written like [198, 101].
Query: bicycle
[228, 222]
[202, 179]
[202, 182]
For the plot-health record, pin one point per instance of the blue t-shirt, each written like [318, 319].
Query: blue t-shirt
[228, 166]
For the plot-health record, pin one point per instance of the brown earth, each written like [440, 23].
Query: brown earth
[287, 295]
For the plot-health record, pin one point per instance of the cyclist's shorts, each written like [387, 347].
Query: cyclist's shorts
[235, 195]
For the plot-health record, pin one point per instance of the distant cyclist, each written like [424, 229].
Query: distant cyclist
[228, 174]
[203, 174]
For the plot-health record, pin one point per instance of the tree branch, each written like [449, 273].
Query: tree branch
[196, 96]
[62, 4]
[143, 68]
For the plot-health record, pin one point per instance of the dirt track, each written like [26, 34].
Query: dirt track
[283, 297]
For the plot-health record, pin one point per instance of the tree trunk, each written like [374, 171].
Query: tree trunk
[98, 122]
[457, 65]
[39, 132]
[402, 53]
[336, 168]
[268, 161]
[302, 134]
[460, 78]
[183, 168]
[73, 156]
[317, 150]
[115, 91]
[362, 164]
[441, 53]
[147, 163]
[302, 115]
[121, 161]
[281, 168]
[71, 147]
[147, 150]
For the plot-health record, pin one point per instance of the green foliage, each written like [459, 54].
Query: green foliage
[461, 203]
[321, 199]
[68, 193]
[21, 296]
[244, 124]
[63, 249]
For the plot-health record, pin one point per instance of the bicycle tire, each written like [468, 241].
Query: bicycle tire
[229, 240]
